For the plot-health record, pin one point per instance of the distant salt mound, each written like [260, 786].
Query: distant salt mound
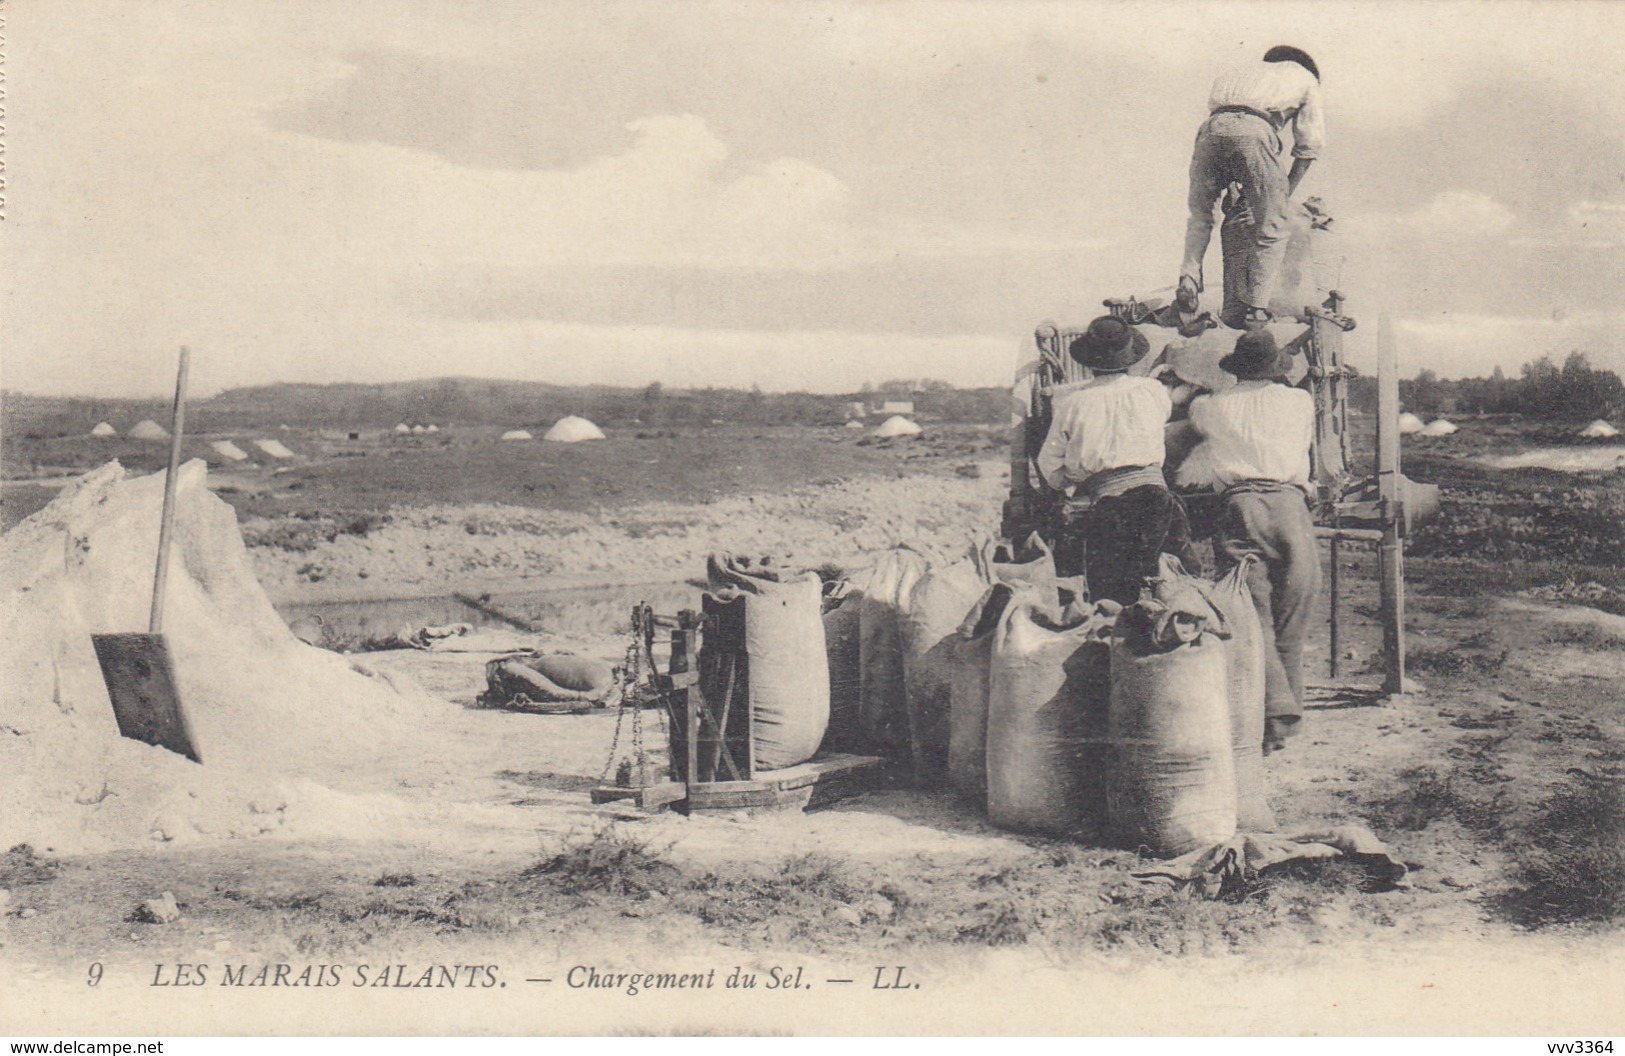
[274, 448]
[1599, 430]
[573, 430]
[278, 724]
[402, 429]
[103, 431]
[516, 434]
[896, 426]
[229, 451]
[854, 424]
[1439, 427]
[147, 429]
[432, 429]
[1410, 424]
[418, 430]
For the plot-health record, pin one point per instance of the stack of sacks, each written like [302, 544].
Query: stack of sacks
[906, 662]
[1144, 726]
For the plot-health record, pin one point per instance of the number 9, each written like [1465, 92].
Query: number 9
[95, 974]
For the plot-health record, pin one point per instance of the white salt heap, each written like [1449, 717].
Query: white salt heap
[279, 724]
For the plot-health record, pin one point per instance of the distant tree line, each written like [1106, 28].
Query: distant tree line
[509, 404]
[1575, 391]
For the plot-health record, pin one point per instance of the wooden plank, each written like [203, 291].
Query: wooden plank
[1370, 535]
[793, 788]
[649, 797]
[1391, 569]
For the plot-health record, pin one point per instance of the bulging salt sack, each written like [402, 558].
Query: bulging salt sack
[883, 697]
[786, 670]
[937, 606]
[841, 606]
[1244, 683]
[1046, 723]
[1173, 784]
[968, 694]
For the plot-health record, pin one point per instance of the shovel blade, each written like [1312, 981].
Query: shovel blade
[141, 683]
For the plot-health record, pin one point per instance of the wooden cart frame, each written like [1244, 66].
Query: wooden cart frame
[1340, 518]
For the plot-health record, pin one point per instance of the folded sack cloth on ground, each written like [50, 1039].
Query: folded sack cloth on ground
[1221, 869]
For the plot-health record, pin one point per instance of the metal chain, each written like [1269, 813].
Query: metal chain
[630, 674]
[632, 668]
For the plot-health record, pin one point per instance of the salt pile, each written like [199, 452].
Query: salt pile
[1599, 430]
[1439, 427]
[274, 448]
[103, 431]
[147, 429]
[279, 724]
[228, 450]
[573, 430]
[516, 434]
[1410, 424]
[896, 425]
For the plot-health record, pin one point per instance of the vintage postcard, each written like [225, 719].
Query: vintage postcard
[787, 518]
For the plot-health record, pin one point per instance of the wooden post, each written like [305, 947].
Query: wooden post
[166, 523]
[1336, 642]
[1391, 564]
[682, 652]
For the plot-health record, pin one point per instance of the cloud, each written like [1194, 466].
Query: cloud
[1602, 220]
[1450, 215]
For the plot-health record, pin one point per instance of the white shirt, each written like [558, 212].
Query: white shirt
[1285, 91]
[1112, 422]
[1258, 430]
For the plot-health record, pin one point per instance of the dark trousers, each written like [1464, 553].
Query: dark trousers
[1116, 543]
[1275, 526]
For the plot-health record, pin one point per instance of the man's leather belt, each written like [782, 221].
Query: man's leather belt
[1244, 110]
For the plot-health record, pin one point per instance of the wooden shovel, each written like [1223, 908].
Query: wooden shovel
[137, 668]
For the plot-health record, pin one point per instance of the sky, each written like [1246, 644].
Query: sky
[795, 195]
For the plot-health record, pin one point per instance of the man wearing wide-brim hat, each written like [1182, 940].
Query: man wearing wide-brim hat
[1105, 451]
[1258, 436]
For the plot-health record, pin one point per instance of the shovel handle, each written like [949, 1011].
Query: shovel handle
[177, 422]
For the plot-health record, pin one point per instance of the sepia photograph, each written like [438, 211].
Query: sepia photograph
[778, 518]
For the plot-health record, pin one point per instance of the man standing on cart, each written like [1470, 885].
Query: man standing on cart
[1239, 145]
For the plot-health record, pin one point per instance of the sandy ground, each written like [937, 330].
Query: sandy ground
[438, 549]
[1006, 932]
